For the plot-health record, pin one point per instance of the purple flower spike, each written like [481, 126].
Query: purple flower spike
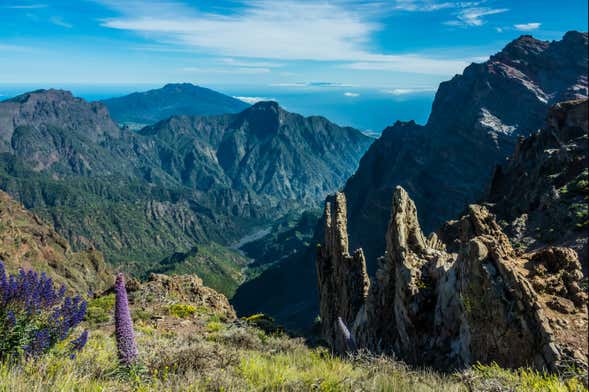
[125, 335]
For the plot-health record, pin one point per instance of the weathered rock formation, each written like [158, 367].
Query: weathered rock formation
[343, 282]
[480, 302]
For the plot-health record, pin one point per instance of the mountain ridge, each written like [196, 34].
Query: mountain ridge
[475, 121]
[184, 181]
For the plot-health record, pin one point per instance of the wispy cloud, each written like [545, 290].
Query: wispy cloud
[211, 70]
[429, 5]
[312, 84]
[258, 29]
[254, 64]
[14, 48]
[474, 16]
[528, 26]
[351, 95]
[407, 91]
[411, 63]
[27, 6]
[253, 100]
[58, 21]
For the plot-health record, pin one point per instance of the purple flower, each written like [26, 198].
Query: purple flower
[29, 300]
[125, 335]
[78, 344]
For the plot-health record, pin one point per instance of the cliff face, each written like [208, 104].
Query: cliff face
[475, 123]
[482, 303]
[473, 292]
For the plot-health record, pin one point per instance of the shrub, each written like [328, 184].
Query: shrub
[34, 315]
[100, 309]
[264, 322]
[182, 310]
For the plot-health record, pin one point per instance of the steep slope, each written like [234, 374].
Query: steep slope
[475, 122]
[540, 195]
[286, 287]
[173, 99]
[26, 242]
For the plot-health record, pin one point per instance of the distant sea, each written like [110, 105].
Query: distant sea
[367, 109]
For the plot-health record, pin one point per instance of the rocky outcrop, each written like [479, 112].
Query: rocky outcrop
[166, 290]
[476, 303]
[342, 277]
[476, 120]
[540, 194]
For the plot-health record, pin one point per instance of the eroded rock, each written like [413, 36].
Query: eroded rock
[449, 309]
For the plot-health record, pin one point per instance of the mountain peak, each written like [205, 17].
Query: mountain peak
[151, 106]
[44, 95]
[181, 86]
[267, 105]
[522, 48]
[574, 36]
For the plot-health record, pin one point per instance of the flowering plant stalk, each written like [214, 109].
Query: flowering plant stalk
[125, 335]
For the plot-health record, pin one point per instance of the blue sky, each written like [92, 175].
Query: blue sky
[399, 45]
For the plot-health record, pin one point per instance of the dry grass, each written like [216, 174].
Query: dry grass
[240, 357]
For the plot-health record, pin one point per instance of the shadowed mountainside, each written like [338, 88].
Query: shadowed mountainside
[151, 106]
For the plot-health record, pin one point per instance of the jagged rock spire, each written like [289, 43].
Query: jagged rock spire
[432, 307]
[342, 278]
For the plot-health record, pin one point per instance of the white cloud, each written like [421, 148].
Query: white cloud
[411, 63]
[255, 64]
[246, 71]
[58, 21]
[14, 48]
[294, 30]
[406, 91]
[527, 26]
[350, 94]
[474, 16]
[253, 100]
[429, 5]
[311, 84]
[27, 6]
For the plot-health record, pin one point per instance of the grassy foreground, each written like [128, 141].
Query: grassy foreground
[209, 354]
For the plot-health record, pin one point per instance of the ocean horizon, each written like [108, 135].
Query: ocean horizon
[368, 109]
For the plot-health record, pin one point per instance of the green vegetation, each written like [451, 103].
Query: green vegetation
[234, 358]
[289, 235]
[524, 379]
[182, 310]
[100, 309]
[219, 267]
[189, 348]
